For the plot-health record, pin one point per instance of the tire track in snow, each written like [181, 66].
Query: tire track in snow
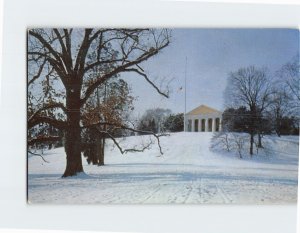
[199, 193]
[173, 198]
[224, 196]
[190, 188]
[152, 194]
[200, 190]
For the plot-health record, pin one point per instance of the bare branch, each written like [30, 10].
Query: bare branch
[51, 121]
[46, 107]
[68, 41]
[79, 63]
[120, 126]
[53, 62]
[122, 68]
[148, 80]
[124, 151]
[39, 156]
[45, 44]
[43, 139]
[65, 55]
[35, 77]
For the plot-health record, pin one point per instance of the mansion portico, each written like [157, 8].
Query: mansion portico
[203, 119]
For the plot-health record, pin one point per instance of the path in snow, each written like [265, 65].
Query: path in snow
[188, 172]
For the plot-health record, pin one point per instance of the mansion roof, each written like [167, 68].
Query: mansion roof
[203, 109]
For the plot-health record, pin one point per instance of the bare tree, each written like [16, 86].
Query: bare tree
[279, 108]
[249, 87]
[153, 120]
[288, 80]
[222, 141]
[61, 64]
[239, 142]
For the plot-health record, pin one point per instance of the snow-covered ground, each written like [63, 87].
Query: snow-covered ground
[188, 172]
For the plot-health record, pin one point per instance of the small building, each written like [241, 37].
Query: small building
[203, 119]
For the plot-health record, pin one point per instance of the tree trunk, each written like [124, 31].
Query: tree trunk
[253, 127]
[99, 150]
[72, 133]
[251, 144]
[259, 141]
[278, 127]
[101, 153]
[278, 133]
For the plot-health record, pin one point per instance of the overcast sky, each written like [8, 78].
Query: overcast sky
[211, 55]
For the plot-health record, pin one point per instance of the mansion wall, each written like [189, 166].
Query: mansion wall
[210, 122]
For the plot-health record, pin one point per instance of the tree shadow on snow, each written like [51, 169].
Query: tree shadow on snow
[166, 177]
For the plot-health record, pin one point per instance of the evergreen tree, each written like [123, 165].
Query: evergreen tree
[174, 122]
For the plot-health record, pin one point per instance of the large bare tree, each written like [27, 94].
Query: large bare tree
[249, 87]
[61, 68]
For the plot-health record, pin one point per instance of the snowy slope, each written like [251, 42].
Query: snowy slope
[188, 172]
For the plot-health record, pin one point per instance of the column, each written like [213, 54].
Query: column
[206, 125]
[200, 125]
[213, 125]
[193, 125]
[187, 125]
[220, 124]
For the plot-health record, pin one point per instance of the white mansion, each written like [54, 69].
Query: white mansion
[203, 119]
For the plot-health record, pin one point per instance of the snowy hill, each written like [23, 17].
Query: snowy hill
[187, 172]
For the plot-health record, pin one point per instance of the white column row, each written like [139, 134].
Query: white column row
[206, 124]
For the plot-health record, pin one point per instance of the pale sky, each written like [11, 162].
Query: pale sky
[211, 55]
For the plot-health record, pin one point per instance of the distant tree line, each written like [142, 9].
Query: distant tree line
[159, 120]
[239, 120]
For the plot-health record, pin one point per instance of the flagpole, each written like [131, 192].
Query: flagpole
[184, 119]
